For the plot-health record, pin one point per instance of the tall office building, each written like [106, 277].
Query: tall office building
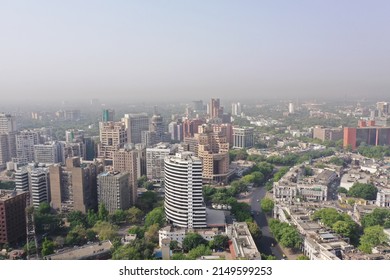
[114, 191]
[90, 144]
[12, 216]
[21, 180]
[131, 160]
[7, 123]
[74, 146]
[383, 108]
[69, 150]
[108, 115]
[113, 136]
[236, 109]
[184, 205]
[366, 133]
[213, 150]
[34, 180]
[48, 153]
[73, 186]
[243, 137]
[135, 124]
[8, 129]
[25, 141]
[225, 130]
[74, 135]
[157, 126]
[215, 110]
[39, 186]
[148, 138]
[328, 133]
[175, 130]
[291, 108]
[155, 160]
[191, 127]
[4, 150]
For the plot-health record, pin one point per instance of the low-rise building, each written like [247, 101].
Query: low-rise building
[178, 234]
[318, 242]
[94, 251]
[383, 198]
[242, 245]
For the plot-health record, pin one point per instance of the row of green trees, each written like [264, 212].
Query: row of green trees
[147, 237]
[373, 225]
[377, 152]
[195, 246]
[341, 223]
[282, 160]
[360, 190]
[287, 235]
[82, 228]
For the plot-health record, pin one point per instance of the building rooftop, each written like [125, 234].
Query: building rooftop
[89, 251]
[215, 218]
[7, 194]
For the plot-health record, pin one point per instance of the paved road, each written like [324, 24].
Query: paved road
[267, 239]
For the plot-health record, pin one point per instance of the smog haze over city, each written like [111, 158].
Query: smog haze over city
[195, 130]
[138, 51]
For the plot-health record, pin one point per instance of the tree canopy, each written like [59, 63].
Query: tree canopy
[287, 235]
[220, 242]
[373, 236]
[47, 247]
[267, 205]
[254, 230]
[192, 240]
[380, 216]
[365, 191]
[156, 216]
[340, 223]
[138, 249]
[105, 230]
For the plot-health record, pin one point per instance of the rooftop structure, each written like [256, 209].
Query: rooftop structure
[242, 243]
[94, 251]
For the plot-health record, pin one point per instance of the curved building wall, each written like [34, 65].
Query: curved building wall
[184, 206]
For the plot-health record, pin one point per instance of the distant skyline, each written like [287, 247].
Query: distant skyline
[188, 50]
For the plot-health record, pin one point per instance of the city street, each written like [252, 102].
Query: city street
[267, 239]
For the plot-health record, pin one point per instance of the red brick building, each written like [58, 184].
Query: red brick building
[367, 133]
[12, 216]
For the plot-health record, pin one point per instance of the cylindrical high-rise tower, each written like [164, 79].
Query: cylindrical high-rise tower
[184, 205]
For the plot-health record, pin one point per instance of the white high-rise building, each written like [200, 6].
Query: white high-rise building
[48, 153]
[39, 186]
[7, 123]
[25, 141]
[155, 160]
[184, 205]
[243, 137]
[291, 108]
[35, 181]
[8, 130]
[21, 180]
[135, 124]
[236, 109]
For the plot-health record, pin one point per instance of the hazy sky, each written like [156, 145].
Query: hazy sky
[135, 50]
